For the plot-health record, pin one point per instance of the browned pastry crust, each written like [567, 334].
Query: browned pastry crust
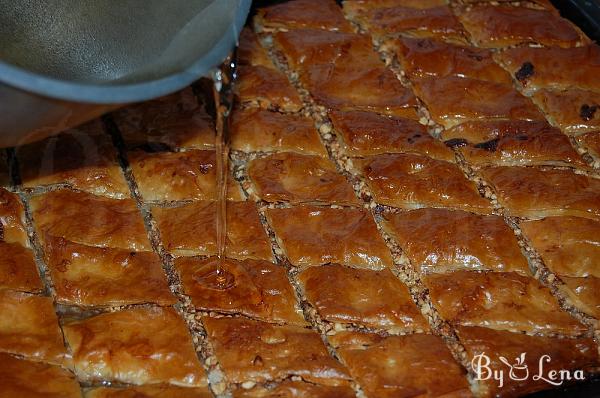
[266, 88]
[258, 130]
[573, 111]
[438, 22]
[83, 158]
[307, 47]
[22, 378]
[12, 218]
[354, 7]
[536, 193]
[452, 100]
[564, 353]
[499, 300]
[149, 391]
[261, 289]
[554, 67]
[18, 270]
[191, 230]
[367, 133]
[338, 87]
[538, 4]
[250, 51]
[372, 299]
[255, 351]
[90, 220]
[401, 366]
[29, 327]
[170, 176]
[137, 346]
[177, 121]
[296, 389]
[591, 143]
[312, 235]
[569, 246]
[504, 26]
[95, 276]
[513, 143]
[316, 14]
[414, 181]
[584, 293]
[440, 240]
[424, 58]
[296, 178]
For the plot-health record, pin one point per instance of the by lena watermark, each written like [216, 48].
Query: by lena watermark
[519, 370]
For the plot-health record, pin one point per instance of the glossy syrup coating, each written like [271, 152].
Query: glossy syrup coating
[316, 14]
[573, 111]
[18, 270]
[267, 88]
[12, 218]
[295, 389]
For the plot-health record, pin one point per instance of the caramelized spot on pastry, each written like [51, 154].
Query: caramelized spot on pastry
[456, 142]
[90, 220]
[261, 289]
[312, 235]
[453, 100]
[94, 276]
[524, 72]
[285, 351]
[564, 353]
[504, 26]
[413, 181]
[393, 366]
[499, 300]
[170, 176]
[176, 121]
[535, 192]
[191, 230]
[372, 299]
[586, 112]
[266, 88]
[258, 130]
[564, 109]
[29, 327]
[295, 178]
[18, 270]
[367, 133]
[83, 158]
[22, 378]
[144, 345]
[317, 14]
[440, 240]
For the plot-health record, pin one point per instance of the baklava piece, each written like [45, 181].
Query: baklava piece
[312, 235]
[12, 219]
[172, 176]
[18, 270]
[505, 26]
[573, 111]
[296, 178]
[190, 229]
[250, 51]
[393, 366]
[440, 240]
[83, 158]
[254, 351]
[413, 181]
[499, 300]
[364, 298]
[266, 88]
[367, 133]
[583, 292]
[338, 87]
[258, 130]
[150, 391]
[535, 192]
[260, 290]
[553, 67]
[90, 220]
[22, 378]
[295, 389]
[29, 327]
[453, 100]
[522, 355]
[175, 121]
[316, 14]
[96, 276]
[513, 143]
[436, 22]
[424, 58]
[144, 345]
